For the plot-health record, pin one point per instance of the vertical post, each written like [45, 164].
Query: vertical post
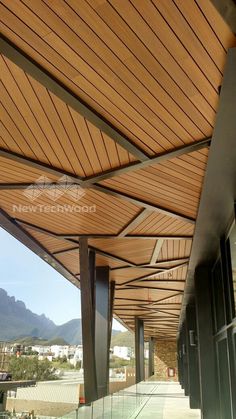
[206, 353]
[179, 355]
[111, 306]
[88, 321]
[151, 357]
[102, 329]
[192, 354]
[185, 361]
[139, 349]
[112, 287]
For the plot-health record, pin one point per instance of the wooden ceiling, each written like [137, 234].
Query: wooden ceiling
[120, 96]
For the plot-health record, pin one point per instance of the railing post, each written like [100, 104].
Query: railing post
[102, 329]
[151, 357]
[139, 349]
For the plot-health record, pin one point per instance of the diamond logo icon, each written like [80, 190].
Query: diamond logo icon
[76, 192]
[32, 192]
[54, 190]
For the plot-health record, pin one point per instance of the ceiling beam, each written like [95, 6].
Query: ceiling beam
[165, 261]
[34, 69]
[105, 190]
[34, 164]
[227, 9]
[143, 287]
[61, 237]
[98, 252]
[131, 167]
[157, 273]
[154, 288]
[156, 266]
[136, 220]
[166, 298]
[143, 203]
[156, 251]
[12, 227]
[111, 256]
[100, 236]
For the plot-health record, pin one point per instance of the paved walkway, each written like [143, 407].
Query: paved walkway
[148, 399]
[166, 401]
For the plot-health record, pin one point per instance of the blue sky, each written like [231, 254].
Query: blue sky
[28, 278]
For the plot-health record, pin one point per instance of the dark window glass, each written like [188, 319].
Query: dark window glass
[218, 296]
[232, 240]
[224, 380]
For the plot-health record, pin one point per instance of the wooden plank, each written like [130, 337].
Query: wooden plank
[36, 71]
[143, 203]
[160, 61]
[134, 222]
[127, 189]
[178, 151]
[156, 251]
[197, 87]
[106, 54]
[86, 222]
[195, 49]
[141, 44]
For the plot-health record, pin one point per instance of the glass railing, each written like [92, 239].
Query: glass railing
[123, 404]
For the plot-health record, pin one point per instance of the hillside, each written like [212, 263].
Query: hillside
[123, 339]
[32, 341]
[18, 322]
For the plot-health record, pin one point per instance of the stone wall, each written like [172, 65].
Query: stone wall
[165, 356]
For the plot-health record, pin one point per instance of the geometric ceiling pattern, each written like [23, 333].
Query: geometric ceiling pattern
[107, 113]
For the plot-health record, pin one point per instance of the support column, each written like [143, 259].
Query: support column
[192, 354]
[102, 330]
[151, 357]
[97, 298]
[111, 306]
[139, 349]
[185, 361]
[88, 319]
[179, 359]
[206, 353]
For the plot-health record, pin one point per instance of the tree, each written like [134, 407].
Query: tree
[25, 368]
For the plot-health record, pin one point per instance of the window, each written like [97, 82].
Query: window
[232, 240]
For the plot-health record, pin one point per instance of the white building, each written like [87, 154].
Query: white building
[122, 352]
[78, 355]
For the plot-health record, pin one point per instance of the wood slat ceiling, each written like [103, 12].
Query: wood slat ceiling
[41, 126]
[150, 69]
[159, 86]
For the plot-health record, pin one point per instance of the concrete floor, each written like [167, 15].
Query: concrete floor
[148, 399]
[166, 401]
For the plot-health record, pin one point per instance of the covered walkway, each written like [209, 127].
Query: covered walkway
[147, 399]
[167, 400]
[117, 157]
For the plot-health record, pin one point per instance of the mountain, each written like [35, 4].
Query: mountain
[32, 341]
[123, 339]
[17, 322]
